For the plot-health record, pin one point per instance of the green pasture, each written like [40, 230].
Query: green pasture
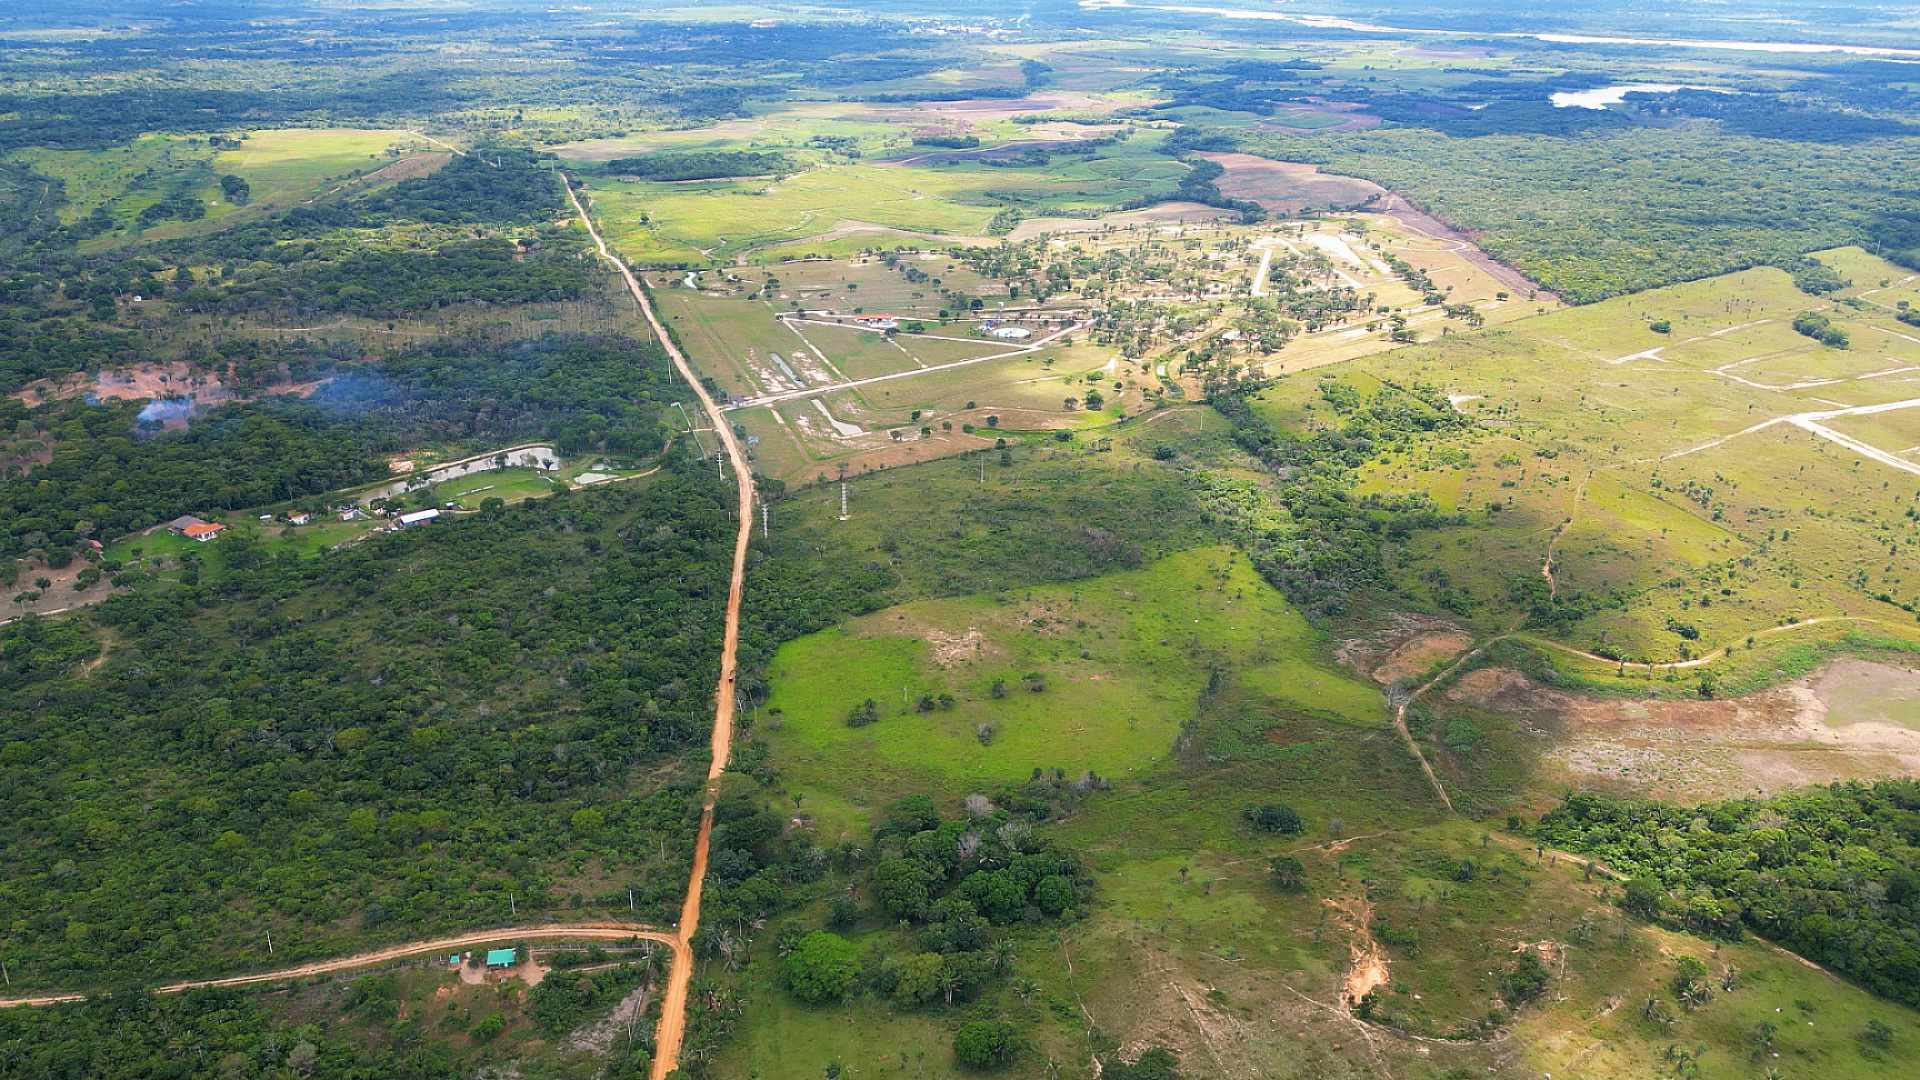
[286, 164]
[281, 166]
[1627, 451]
[1121, 660]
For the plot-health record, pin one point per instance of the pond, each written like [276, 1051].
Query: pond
[1600, 97]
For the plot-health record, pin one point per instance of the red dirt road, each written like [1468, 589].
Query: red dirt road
[617, 931]
[673, 1014]
[673, 1006]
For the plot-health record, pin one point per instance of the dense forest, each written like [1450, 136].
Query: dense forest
[203, 1035]
[1832, 873]
[366, 256]
[379, 743]
[385, 284]
[109, 474]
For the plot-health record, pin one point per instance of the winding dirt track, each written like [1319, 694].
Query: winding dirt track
[673, 1010]
[617, 931]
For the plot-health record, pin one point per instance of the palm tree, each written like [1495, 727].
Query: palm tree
[1003, 956]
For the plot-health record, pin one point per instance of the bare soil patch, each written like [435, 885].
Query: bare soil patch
[1848, 720]
[145, 381]
[853, 227]
[952, 650]
[1367, 967]
[1352, 117]
[1286, 187]
[1168, 213]
[1000, 152]
[1406, 213]
[1420, 654]
[1406, 645]
[410, 168]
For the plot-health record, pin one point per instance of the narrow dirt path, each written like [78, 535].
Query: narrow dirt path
[1401, 706]
[1553, 545]
[617, 931]
[1706, 658]
[673, 1010]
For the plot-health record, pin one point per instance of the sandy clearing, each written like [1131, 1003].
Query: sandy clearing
[1419, 654]
[1850, 719]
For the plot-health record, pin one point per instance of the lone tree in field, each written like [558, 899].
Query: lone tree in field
[1288, 873]
[985, 1044]
[820, 968]
[1274, 818]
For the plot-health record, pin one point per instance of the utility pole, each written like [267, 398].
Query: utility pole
[763, 521]
[629, 901]
[843, 500]
[513, 909]
[269, 943]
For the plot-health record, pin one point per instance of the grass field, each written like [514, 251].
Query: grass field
[1118, 660]
[1659, 467]
[281, 166]
[1198, 691]
[692, 223]
[833, 207]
